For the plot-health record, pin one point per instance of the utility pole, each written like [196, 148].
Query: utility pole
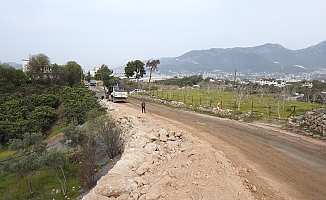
[235, 75]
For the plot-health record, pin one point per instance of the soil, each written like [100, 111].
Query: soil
[273, 163]
[180, 166]
[228, 159]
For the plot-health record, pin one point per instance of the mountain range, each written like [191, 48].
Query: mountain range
[15, 65]
[263, 58]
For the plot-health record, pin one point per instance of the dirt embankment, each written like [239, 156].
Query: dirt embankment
[163, 161]
[260, 161]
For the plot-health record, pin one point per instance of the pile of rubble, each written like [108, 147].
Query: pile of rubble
[316, 120]
[160, 163]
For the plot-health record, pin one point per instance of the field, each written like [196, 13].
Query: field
[269, 105]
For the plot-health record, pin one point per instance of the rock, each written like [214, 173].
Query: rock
[143, 168]
[161, 148]
[92, 195]
[144, 190]
[172, 138]
[140, 180]
[150, 136]
[253, 188]
[123, 197]
[163, 135]
[150, 148]
[138, 143]
[171, 133]
[172, 145]
[116, 187]
[135, 194]
[131, 158]
[142, 197]
[153, 193]
[178, 133]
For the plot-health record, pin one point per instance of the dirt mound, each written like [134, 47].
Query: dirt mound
[162, 161]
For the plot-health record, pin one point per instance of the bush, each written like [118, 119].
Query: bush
[92, 139]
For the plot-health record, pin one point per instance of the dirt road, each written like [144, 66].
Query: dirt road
[282, 165]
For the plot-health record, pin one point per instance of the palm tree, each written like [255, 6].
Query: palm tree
[152, 66]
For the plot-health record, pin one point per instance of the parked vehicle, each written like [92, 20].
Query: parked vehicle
[136, 90]
[117, 94]
[93, 82]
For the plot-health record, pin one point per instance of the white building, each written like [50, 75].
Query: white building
[24, 64]
[92, 72]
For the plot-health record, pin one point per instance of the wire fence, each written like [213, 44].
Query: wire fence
[272, 107]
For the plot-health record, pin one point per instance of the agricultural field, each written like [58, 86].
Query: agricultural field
[272, 106]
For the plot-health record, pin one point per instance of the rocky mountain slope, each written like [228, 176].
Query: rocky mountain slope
[262, 58]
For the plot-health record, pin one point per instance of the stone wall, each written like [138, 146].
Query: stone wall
[316, 120]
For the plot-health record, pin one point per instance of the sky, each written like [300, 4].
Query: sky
[114, 32]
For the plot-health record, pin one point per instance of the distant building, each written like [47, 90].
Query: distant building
[46, 69]
[268, 81]
[24, 64]
[92, 72]
[308, 85]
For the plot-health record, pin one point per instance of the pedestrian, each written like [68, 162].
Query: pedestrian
[143, 107]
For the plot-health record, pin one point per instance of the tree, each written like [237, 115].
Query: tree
[75, 72]
[41, 116]
[37, 66]
[78, 137]
[135, 69]
[107, 135]
[25, 163]
[20, 78]
[192, 80]
[240, 90]
[26, 114]
[104, 73]
[152, 65]
[97, 136]
[10, 78]
[56, 162]
[77, 102]
[59, 75]
[88, 76]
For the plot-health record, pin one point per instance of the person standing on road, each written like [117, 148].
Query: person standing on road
[143, 107]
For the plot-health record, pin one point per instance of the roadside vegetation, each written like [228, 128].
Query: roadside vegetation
[45, 102]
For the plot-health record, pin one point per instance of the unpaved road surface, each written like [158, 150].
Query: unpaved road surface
[282, 165]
